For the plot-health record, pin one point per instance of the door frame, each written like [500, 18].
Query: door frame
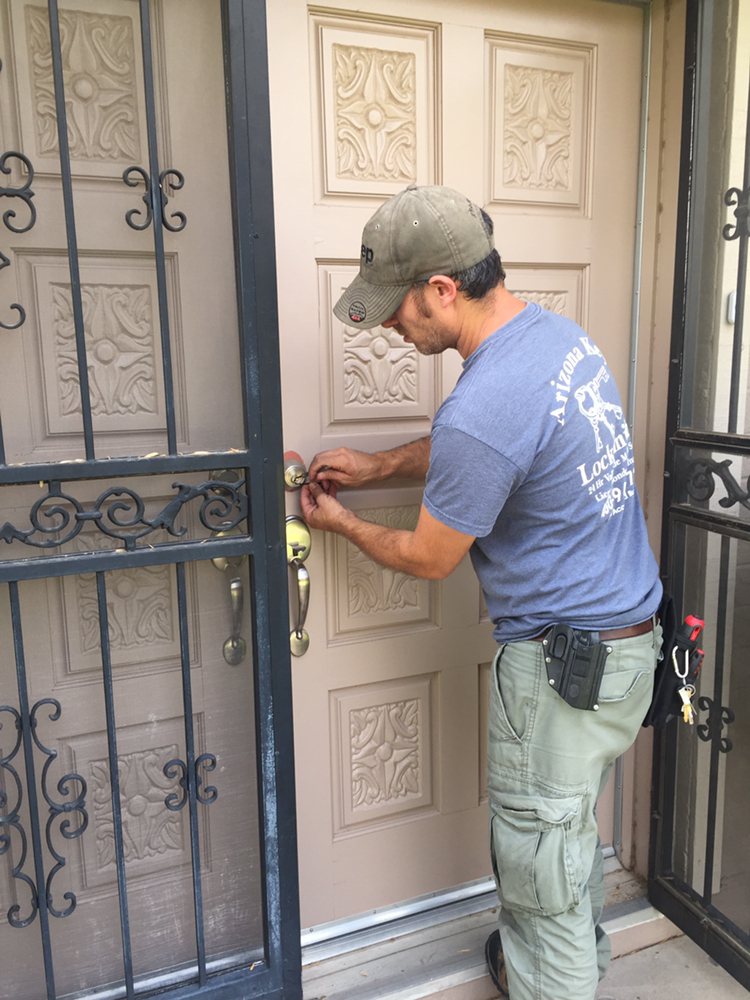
[688, 909]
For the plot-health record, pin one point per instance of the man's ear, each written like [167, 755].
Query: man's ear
[446, 288]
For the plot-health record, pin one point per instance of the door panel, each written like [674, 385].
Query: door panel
[531, 109]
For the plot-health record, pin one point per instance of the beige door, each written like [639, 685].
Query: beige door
[41, 423]
[532, 109]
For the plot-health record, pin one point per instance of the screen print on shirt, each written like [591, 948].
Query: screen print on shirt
[609, 478]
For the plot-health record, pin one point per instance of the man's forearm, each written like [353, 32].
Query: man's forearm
[408, 461]
[390, 547]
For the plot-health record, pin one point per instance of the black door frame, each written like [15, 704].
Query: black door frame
[689, 481]
[250, 500]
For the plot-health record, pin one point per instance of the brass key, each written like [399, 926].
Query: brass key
[688, 712]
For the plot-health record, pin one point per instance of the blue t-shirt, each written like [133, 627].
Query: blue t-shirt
[532, 455]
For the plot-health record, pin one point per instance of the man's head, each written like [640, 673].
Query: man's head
[421, 232]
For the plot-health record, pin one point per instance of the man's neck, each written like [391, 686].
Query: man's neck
[481, 319]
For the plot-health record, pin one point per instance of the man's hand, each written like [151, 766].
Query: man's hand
[321, 509]
[431, 551]
[347, 467]
[344, 467]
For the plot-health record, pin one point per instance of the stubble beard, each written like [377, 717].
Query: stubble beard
[431, 339]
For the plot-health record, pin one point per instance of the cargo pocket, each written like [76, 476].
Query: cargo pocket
[536, 852]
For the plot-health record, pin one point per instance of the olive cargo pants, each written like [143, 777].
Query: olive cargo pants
[548, 763]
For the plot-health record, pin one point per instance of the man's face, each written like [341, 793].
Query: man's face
[418, 323]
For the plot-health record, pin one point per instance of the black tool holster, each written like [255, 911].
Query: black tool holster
[575, 661]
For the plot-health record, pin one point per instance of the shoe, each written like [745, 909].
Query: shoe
[493, 952]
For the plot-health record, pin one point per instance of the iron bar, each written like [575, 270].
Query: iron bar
[70, 226]
[191, 777]
[709, 440]
[2, 443]
[156, 211]
[114, 774]
[742, 232]
[107, 559]
[722, 524]
[713, 780]
[109, 468]
[34, 813]
[248, 114]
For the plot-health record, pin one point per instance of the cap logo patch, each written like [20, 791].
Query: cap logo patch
[368, 254]
[357, 312]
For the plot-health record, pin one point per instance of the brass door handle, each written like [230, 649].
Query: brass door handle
[235, 646]
[298, 544]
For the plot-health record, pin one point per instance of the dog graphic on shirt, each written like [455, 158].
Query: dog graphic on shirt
[597, 410]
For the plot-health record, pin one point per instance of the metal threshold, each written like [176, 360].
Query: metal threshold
[439, 952]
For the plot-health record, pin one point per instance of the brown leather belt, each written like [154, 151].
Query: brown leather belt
[613, 633]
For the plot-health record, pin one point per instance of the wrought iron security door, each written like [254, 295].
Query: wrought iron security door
[147, 836]
[700, 875]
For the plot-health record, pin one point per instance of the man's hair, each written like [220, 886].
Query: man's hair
[478, 280]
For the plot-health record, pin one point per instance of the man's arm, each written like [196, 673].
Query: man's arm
[432, 551]
[347, 467]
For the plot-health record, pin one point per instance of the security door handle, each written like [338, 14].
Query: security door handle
[235, 646]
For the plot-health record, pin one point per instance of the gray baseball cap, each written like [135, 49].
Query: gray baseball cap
[419, 232]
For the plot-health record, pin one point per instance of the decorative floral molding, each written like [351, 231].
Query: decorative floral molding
[385, 754]
[374, 589]
[139, 603]
[149, 829]
[378, 368]
[98, 55]
[556, 302]
[538, 129]
[120, 348]
[375, 113]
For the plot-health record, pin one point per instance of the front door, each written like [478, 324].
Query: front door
[145, 842]
[700, 874]
[533, 110]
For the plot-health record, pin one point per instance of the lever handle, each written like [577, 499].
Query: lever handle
[303, 596]
[236, 599]
[235, 647]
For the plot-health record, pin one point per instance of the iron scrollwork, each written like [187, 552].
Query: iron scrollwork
[169, 180]
[175, 801]
[718, 717]
[25, 193]
[740, 199]
[700, 482]
[10, 822]
[57, 517]
[69, 811]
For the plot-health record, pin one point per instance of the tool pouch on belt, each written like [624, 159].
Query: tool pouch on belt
[575, 662]
[679, 645]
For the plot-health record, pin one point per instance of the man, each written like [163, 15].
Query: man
[529, 467]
